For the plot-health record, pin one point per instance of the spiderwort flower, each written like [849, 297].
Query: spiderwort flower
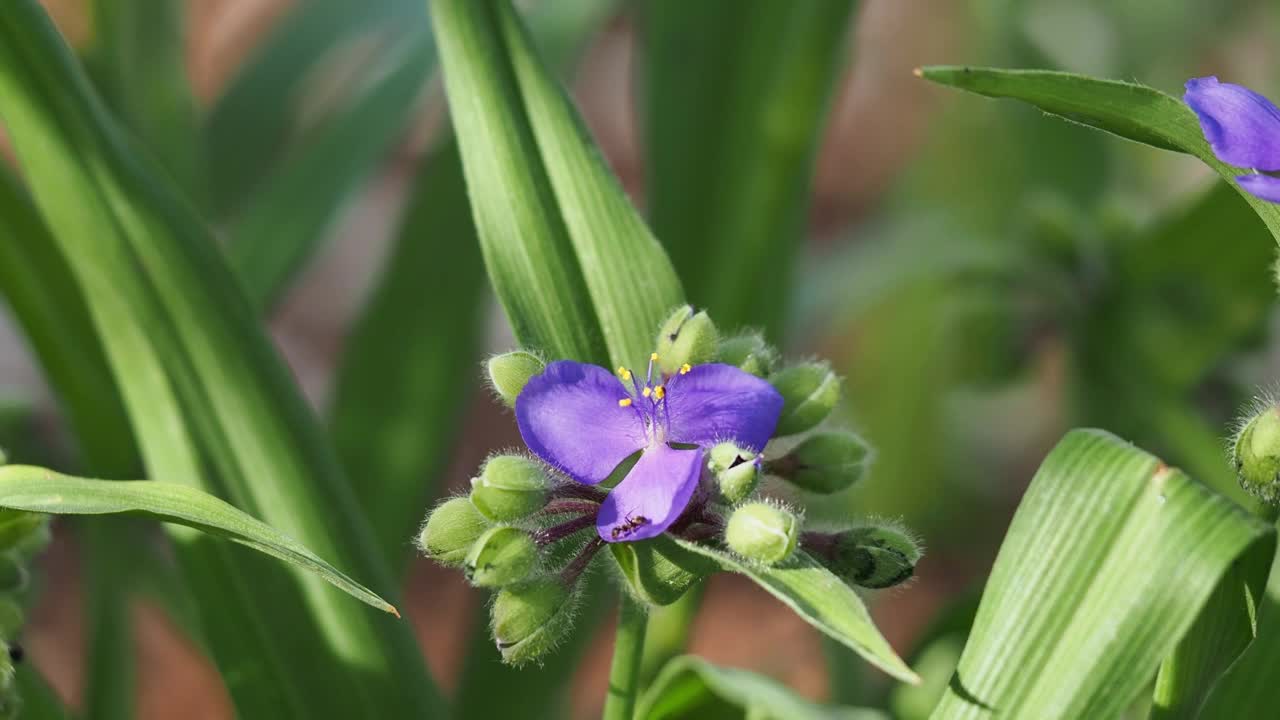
[584, 421]
[1243, 128]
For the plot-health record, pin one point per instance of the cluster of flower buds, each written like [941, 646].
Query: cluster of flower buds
[23, 536]
[528, 530]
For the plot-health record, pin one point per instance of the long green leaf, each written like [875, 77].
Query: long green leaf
[1249, 688]
[689, 687]
[574, 266]
[820, 599]
[736, 96]
[1106, 565]
[248, 129]
[38, 490]
[1132, 111]
[284, 221]
[211, 402]
[411, 357]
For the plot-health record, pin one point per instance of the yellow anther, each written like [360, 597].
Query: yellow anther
[624, 373]
[653, 357]
[659, 392]
[685, 368]
[624, 402]
[647, 391]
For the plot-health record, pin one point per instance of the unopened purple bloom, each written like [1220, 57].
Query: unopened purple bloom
[584, 421]
[1242, 127]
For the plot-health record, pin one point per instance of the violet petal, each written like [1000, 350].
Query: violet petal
[1242, 127]
[569, 416]
[651, 496]
[1264, 187]
[715, 402]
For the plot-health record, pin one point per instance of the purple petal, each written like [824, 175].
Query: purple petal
[717, 402]
[569, 416]
[1261, 186]
[1242, 127]
[651, 496]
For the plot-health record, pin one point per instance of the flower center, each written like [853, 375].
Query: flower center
[649, 400]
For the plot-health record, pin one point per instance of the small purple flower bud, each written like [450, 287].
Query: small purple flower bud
[501, 556]
[748, 352]
[824, 463]
[688, 337]
[809, 392]
[451, 529]
[529, 620]
[763, 532]
[510, 372]
[510, 487]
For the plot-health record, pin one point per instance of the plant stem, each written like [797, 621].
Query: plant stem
[628, 647]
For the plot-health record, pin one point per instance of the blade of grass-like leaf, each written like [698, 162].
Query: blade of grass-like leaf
[249, 125]
[34, 489]
[691, 687]
[138, 61]
[210, 401]
[574, 266]
[411, 357]
[1132, 111]
[822, 600]
[736, 94]
[1222, 632]
[284, 221]
[1249, 688]
[1106, 565]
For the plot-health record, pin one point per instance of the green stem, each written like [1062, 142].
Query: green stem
[628, 648]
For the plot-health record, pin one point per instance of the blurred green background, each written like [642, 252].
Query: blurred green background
[985, 277]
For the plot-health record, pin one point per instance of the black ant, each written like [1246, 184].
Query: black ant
[628, 526]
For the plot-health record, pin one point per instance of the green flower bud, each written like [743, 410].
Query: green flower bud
[530, 619]
[451, 530]
[875, 556]
[687, 337]
[14, 576]
[12, 616]
[502, 556]
[510, 487]
[1256, 455]
[737, 471]
[763, 532]
[34, 541]
[825, 462]
[18, 527]
[509, 372]
[809, 393]
[749, 352]
[658, 571]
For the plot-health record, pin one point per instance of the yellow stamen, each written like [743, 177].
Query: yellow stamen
[624, 373]
[685, 368]
[654, 357]
[647, 391]
[624, 402]
[659, 392]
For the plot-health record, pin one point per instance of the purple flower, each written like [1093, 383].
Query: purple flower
[1243, 128]
[584, 422]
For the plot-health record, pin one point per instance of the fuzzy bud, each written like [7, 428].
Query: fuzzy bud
[530, 619]
[509, 372]
[510, 487]
[762, 532]
[809, 392]
[14, 576]
[1256, 455]
[451, 530]
[874, 556]
[748, 352]
[502, 556]
[825, 462]
[687, 337]
[737, 471]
